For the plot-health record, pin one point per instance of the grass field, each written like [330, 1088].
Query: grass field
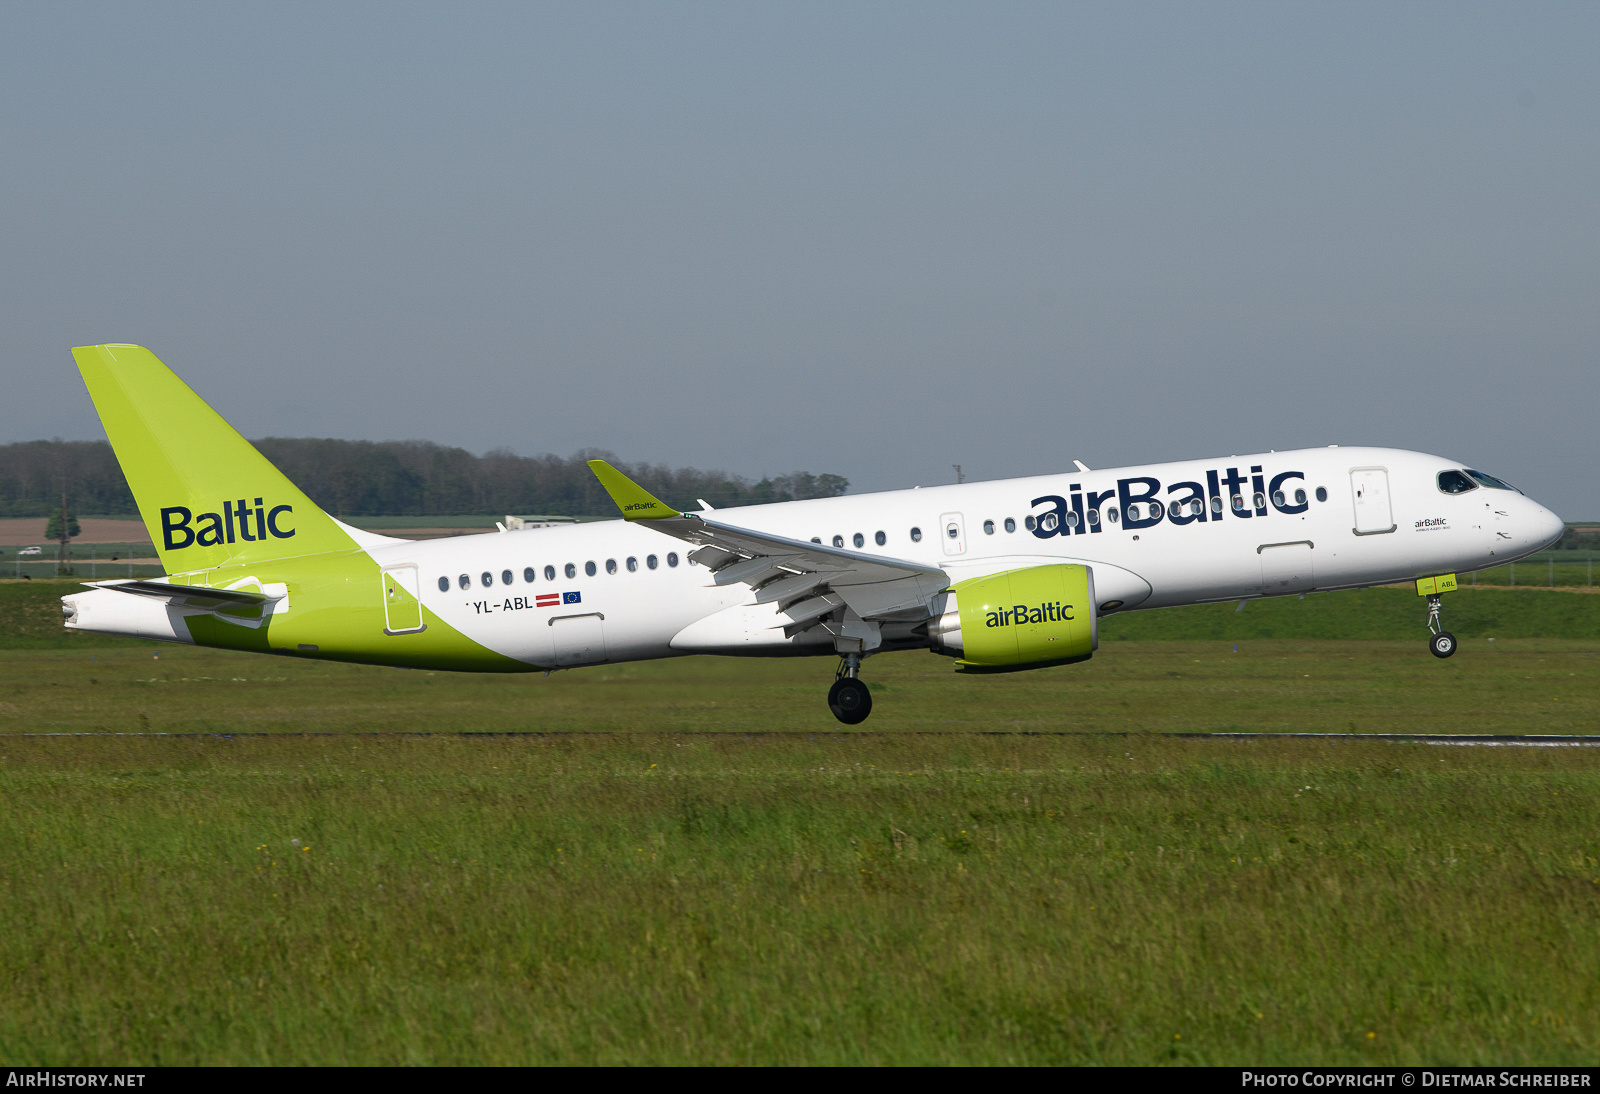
[695, 864]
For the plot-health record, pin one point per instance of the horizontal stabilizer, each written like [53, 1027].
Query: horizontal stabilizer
[187, 596]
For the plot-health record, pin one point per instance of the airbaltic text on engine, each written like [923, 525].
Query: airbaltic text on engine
[1053, 612]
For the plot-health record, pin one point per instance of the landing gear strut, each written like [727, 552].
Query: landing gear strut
[1443, 643]
[849, 698]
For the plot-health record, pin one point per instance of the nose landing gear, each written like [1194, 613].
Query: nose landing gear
[1443, 643]
[849, 698]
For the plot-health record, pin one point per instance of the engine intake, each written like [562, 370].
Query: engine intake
[1019, 619]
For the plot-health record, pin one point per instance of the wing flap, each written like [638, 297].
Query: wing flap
[788, 588]
[753, 571]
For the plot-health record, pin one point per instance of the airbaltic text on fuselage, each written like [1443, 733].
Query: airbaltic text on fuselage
[1053, 612]
[180, 527]
[1138, 502]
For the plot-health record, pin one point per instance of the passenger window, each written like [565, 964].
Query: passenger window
[1322, 493]
[465, 581]
[1174, 510]
[633, 565]
[611, 565]
[1454, 482]
[1216, 505]
[672, 558]
[1238, 503]
[838, 541]
[859, 540]
[1299, 497]
[1111, 514]
[589, 568]
[916, 535]
[505, 577]
[571, 570]
[1011, 525]
[816, 539]
[880, 539]
[650, 561]
[1029, 523]
[529, 574]
[1195, 507]
[1133, 511]
[988, 527]
[1094, 519]
[549, 573]
[1260, 499]
[1278, 499]
[487, 578]
[444, 584]
[1072, 519]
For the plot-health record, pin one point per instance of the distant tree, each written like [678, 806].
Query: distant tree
[398, 478]
[32, 474]
[52, 528]
[1582, 538]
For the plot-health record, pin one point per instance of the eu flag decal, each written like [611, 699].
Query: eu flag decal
[571, 598]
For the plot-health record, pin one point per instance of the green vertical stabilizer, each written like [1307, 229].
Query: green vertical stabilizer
[207, 496]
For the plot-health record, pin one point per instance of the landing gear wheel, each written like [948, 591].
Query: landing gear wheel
[1442, 644]
[850, 700]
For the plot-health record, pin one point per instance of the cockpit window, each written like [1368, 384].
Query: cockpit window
[1454, 482]
[1491, 482]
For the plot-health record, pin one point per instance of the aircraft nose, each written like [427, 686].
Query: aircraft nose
[1545, 526]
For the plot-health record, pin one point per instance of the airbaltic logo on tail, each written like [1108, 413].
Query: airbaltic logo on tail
[1053, 612]
[181, 528]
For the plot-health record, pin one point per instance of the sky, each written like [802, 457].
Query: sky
[869, 239]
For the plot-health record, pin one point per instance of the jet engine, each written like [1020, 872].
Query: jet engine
[1019, 619]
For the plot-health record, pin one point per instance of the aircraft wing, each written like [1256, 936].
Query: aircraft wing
[806, 580]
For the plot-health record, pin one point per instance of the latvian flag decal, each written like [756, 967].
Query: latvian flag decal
[550, 600]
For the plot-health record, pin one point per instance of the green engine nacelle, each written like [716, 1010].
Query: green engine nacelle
[1020, 619]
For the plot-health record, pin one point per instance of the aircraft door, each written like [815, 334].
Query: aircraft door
[1287, 568]
[402, 606]
[953, 533]
[579, 639]
[1369, 488]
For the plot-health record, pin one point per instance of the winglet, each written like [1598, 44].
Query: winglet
[635, 502]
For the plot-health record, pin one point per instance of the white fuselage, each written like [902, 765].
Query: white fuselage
[1384, 519]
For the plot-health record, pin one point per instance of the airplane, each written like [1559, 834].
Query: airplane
[1000, 576]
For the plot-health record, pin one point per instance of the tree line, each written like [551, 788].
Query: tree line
[396, 478]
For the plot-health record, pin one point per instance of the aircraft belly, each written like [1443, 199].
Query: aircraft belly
[748, 629]
[551, 638]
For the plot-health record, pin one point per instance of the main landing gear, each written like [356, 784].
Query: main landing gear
[849, 698]
[1443, 643]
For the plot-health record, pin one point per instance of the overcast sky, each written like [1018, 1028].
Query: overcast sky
[876, 240]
